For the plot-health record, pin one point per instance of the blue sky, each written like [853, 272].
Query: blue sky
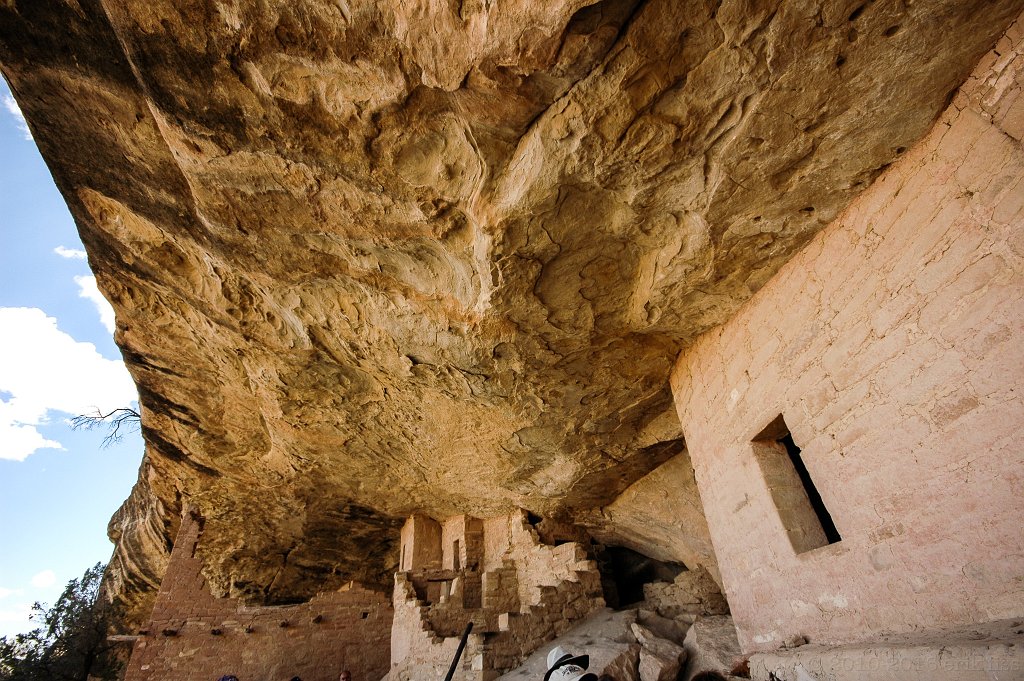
[58, 487]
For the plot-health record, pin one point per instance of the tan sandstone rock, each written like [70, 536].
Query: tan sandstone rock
[711, 645]
[691, 594]
[374, 258]
[605, 636]
[663, 627]
[660, 658]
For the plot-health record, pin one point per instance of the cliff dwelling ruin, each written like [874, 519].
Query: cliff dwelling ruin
[698, 322]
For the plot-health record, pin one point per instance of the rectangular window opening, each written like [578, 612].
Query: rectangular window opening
[803, 512]
[456, 556]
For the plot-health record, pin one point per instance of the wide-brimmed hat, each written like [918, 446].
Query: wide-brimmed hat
[563, 666]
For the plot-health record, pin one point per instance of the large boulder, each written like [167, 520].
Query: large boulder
[711, 645]
[605, 636]
[660, 658]
[663, 627]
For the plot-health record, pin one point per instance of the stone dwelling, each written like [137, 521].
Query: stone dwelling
[193, 636]
[518, 592]
[496, 573]
[734, 285]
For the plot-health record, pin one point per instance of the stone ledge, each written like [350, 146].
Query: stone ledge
[982, 653]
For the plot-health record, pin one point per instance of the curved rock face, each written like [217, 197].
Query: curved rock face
[141, 549]
[375, 258]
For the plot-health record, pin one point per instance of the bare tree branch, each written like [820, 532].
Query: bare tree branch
[118, 422]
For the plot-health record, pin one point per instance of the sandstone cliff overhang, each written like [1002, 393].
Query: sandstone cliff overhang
[377, 258]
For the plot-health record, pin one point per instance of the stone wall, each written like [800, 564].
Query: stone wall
[526, 594]
[421, 544]
[540, 567]
[690, 595]
[418, 652]
[462, 539]
[891, 348]
[194, 636]
[497, 541]
[551, 610]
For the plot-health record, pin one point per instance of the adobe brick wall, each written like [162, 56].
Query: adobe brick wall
[347, 629]
[892, 345]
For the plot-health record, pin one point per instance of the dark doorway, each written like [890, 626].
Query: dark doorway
[625, 571]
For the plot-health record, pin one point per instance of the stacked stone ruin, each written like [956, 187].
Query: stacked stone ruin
[496, 573]
[195, 636]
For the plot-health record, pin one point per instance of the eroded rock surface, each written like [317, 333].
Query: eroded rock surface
[606, 636]
[660, 515]
[375, 258]
[711, 645]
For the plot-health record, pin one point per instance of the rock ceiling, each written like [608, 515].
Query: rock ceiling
[371, 258]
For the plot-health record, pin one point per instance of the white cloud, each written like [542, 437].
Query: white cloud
[87, 288]
[19, 439]
[4, 593]
[73, 253]
[19, 118]
[44, 370]
[15, 619]
[43, 579]
[19, 612]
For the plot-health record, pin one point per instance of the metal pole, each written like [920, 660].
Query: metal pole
[458, 653]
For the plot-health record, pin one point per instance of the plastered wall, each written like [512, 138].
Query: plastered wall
[194, 636]
[893, 346]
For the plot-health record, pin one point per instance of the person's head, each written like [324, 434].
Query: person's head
[345, 676]
[563, 666]
[709, 676]
[228, 677]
